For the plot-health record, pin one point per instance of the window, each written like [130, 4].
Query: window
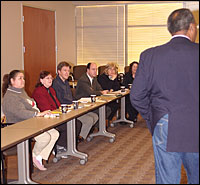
[119, 33]
[100, 34]
[147, 27]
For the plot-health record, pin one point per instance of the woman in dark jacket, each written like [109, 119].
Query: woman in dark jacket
[108, 81]
[128, 79]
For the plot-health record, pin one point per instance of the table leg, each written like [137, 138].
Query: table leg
[23, 164]
[123, 116]
[71, 141]
[102, 125]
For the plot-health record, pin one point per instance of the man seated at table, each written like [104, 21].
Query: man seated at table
[88, 85]
[64, 95]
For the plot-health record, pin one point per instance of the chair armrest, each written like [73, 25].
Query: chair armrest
[5, 124]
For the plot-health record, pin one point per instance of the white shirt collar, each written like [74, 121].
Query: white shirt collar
[181, 36]
[90, 78]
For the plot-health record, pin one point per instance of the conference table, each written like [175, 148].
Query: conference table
[20, 133]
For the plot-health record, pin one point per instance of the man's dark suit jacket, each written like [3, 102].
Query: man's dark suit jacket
[85, 89]
[167, 82]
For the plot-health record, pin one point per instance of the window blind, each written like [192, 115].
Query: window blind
[147, 27]
[100, 34]
[115, 33]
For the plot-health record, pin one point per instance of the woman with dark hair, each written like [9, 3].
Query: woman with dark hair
[46, 99]
[128, 79]
[18, 106]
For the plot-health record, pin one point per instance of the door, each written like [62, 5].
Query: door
[39, 44]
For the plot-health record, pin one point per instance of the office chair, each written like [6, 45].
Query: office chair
[78, 71]
[101, 69]
[120, 78]
[126, 69]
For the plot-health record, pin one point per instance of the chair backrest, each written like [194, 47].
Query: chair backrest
[126, 69]
[120, 77]
[78, 71]
[101, 69]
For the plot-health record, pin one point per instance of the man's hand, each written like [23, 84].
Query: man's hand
[104, 92]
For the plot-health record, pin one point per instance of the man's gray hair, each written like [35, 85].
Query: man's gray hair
[180, 20]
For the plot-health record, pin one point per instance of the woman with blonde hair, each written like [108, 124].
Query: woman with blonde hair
[108, 81]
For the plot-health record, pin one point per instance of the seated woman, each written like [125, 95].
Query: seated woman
[46, 99]
[18, 106]
[108, 81]
[128, 79]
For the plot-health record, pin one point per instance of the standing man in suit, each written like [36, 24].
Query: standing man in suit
[165, 91]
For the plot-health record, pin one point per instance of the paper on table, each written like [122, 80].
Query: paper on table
[56, 112]
[109, 94]
[85, 100]
[100, 100]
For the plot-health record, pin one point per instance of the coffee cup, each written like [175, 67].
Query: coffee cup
[129, 86]
[75, 104]
[64, 108]
[122, 88]
[93, 98]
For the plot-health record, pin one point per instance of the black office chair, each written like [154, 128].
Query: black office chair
[126, 69]
[78, 71]
[101, 69]
[11, 152]
[120, 78]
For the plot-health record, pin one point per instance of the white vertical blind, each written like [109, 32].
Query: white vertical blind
[100, 34]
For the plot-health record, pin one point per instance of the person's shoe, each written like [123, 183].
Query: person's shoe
[37, 164]
[135, 120]
[53, 152]
[58, 147]
[62, 154]
[80, 139]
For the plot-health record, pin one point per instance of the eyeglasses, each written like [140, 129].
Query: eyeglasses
[48, 78]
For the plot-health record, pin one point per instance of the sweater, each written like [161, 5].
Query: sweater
[17, 105]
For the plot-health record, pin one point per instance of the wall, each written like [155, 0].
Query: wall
[12, 28]
[12, 32]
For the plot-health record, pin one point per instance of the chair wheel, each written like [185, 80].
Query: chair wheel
[112, 124]
[132, 125]
[111, 140]
[89, 138]
[56, 159]
[82, 161]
